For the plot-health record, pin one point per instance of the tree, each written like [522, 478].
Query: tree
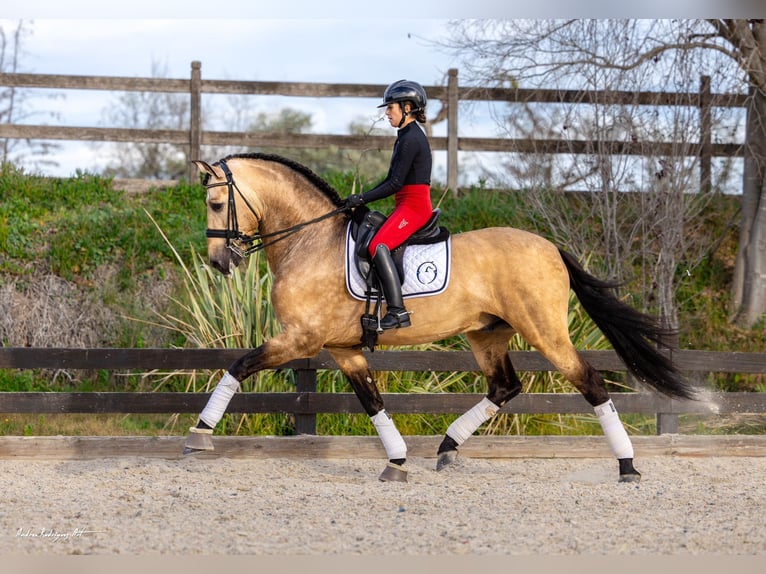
[745, 43]
[144, 110]
[365, 164]
[656, 54]
[14, 103]
[171, 111]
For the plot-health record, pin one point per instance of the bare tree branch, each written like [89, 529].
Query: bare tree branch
[669, 55]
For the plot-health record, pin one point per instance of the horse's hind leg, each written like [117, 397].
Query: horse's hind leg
[490, 347]
[354, 365]
[592, 386]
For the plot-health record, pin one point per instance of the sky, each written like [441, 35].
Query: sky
[295, 50]
[332, 41]
[373, 48]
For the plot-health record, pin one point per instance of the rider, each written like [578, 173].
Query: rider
[409, 179]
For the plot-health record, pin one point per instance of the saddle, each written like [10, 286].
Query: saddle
[366, 223]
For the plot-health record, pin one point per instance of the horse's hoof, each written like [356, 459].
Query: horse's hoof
[198, 440]
[627, 472]
[393, 473]
[445, 459]
[630, 477]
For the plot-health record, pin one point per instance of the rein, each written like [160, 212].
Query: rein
[241, 243]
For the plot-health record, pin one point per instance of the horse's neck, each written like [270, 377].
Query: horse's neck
[288, 209]
[308, 246]
[286, 199]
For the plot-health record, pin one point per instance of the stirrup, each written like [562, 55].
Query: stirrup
[395, 319]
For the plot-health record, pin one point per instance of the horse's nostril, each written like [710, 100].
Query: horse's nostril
[222, 266]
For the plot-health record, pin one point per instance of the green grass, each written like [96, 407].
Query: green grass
[72, 227]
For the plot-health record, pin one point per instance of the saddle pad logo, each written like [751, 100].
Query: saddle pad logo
[427, 273]
[426, 269]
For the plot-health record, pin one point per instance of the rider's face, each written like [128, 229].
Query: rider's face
[394, 113]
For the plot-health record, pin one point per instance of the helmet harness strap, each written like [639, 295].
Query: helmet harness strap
[405, 113]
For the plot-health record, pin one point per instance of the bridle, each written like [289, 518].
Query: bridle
[240, 243]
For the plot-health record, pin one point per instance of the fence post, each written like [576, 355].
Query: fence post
[452, 105]
[306, 382]
[706, 137]
[667, 423]
[195, 128]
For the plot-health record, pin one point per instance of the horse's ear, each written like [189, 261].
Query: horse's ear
[205, 167]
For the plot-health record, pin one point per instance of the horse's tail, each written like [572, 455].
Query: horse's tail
[633, 334]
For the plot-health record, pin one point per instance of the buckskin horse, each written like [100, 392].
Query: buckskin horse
[502, 281]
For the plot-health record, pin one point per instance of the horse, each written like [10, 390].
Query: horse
[503, 281]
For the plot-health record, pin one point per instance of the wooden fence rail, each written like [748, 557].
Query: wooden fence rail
[450, 96]
[306, 402]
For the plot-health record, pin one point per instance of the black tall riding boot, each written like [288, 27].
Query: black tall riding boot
[396, 315]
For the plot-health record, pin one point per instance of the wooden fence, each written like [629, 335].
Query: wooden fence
[450, 96]
[305, 403]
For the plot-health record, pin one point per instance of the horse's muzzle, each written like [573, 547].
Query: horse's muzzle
[224, 261]
[223, 268]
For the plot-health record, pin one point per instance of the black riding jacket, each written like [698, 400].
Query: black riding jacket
[410, 163]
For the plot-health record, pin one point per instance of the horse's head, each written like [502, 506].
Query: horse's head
[231, 220]
[243, 189]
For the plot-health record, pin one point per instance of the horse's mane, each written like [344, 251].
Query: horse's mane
[313, 178]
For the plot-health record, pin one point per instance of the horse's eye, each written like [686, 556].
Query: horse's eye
[216, 207]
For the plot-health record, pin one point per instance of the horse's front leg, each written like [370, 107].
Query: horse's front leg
[490, 348]
[354, 365]
[273, 353]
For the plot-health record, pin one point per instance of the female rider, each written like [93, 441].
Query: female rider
[409, 180]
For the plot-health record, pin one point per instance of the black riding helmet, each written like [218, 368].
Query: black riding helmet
[405, 91]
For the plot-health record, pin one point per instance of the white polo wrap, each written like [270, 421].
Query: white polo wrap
[389, 435]
[219, 400]
[465, 425]
[614, 430]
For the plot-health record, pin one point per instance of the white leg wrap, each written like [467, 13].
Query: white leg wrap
[614, 430]
[468, 422]
[219, 400]
[389, 435]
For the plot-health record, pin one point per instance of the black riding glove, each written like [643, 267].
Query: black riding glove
[353, 201]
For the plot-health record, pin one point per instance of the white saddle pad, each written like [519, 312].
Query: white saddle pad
[426, 269]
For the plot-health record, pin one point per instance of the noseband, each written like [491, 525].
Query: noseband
[240, 243]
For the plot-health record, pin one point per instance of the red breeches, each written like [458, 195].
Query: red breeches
[413, 210]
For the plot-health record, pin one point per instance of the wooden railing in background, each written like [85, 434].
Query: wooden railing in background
[450, 96]
[305, 403]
